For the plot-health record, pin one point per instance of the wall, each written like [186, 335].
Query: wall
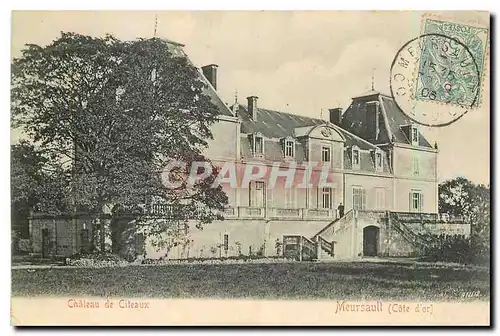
[224, 144]
[369, 183]
[425, 181]
[61, 238]
[348, 234]
[403, 162]
[249, 233]
[403, 188]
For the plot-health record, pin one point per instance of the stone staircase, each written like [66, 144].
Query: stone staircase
[318, 247]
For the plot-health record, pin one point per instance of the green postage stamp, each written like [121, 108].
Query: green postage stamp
[452, 63]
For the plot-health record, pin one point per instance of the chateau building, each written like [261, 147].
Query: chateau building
[363, 182]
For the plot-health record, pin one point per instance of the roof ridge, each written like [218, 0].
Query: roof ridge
[211, 87]
[372, 93]
[353, 135]
[172, 42]
[282, 112]
[386, 120]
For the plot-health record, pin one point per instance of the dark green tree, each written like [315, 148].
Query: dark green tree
[461, 197]
[109, 115]
[35, 186]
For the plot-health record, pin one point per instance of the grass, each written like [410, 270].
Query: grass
[349, 281]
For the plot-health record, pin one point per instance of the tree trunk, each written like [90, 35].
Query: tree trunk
[102, 236]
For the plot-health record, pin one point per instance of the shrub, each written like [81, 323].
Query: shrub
[96, 260]
[447, 248]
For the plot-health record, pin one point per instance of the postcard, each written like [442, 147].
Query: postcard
[250, 168]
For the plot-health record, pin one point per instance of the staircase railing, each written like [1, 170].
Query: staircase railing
[408, 234]
[326, 245]
[309, 250]
[299, 248]
[330, 225]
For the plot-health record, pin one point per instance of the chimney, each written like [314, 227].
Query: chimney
[335, 115]
[210, 72]
[252, 107]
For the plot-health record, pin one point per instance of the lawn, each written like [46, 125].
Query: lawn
[353, 281]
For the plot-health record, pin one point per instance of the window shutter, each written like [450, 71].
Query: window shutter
[332, 201]
[363, 205]
[421, 202]
[250, 194]
[270, 197]
[317, 198]
[410, 201]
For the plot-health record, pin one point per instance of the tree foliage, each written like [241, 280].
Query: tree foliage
[461, 197]
[109, 115]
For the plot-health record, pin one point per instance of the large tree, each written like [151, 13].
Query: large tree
[109, 115]
[461, 197]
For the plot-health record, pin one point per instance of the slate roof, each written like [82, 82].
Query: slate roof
[177, 49]
[272, 150]
[275, 125]
[396, 118]
[354, 119]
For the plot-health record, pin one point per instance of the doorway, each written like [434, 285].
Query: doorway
[370, 241]
[45, 243]
[85, 240]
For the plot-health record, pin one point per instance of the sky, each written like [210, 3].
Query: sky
[297, 62]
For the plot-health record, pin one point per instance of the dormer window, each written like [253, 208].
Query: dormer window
[379, 162]
[414, 135]
[289, 147]
[411, 133]
[355, 157]
[257, 144]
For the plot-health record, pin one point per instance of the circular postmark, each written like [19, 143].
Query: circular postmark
[435, 80]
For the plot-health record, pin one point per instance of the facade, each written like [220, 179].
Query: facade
[369, 160]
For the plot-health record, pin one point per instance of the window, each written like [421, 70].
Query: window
[326, 155]
[270, 198]
[416, 201]
[355, 157]
[258, 145]
[358, 198]
[257, 194]
[226, 242]
[326, 198]
[414, 135]
[378, 160]
[290, 198]
[289, 148]
[416, 166]
[380, 199]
